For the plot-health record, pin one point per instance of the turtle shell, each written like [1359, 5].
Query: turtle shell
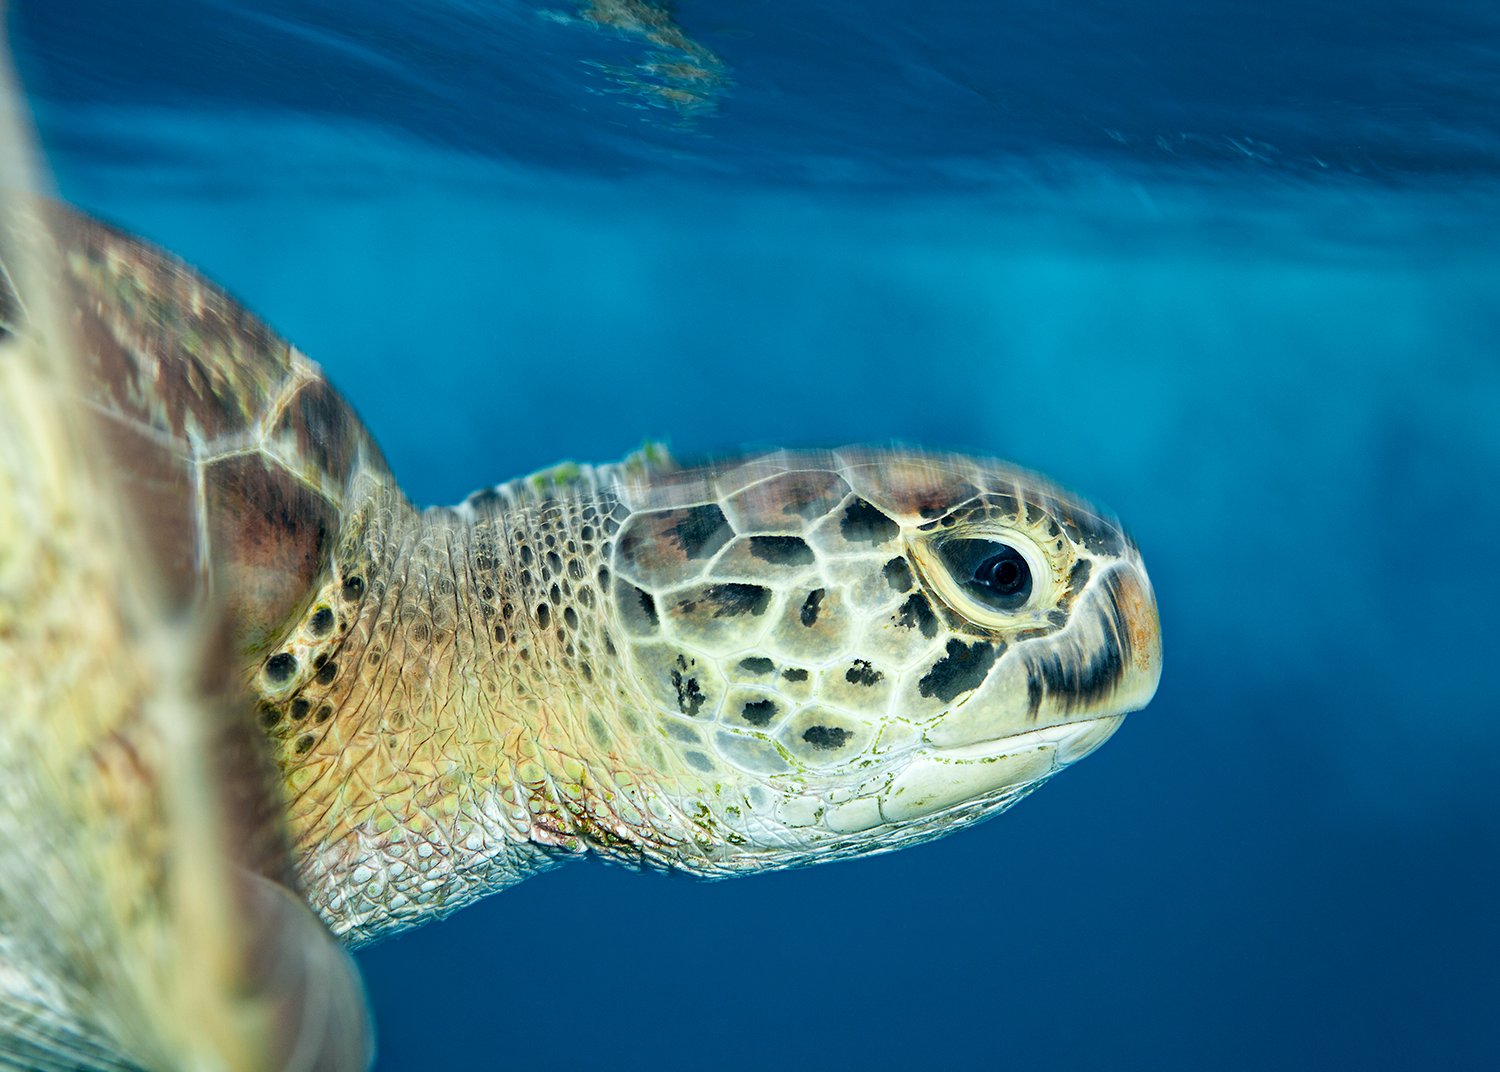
[229, 440]
[163, 459]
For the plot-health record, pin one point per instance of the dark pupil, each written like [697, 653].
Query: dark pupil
[1005, 573]
[994, 573]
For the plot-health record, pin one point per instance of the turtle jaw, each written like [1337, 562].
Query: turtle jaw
[1046, 704]
[1000, 769]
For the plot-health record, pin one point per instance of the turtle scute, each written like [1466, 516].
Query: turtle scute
[228, 439]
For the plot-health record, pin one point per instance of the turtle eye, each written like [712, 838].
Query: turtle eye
[993, 573]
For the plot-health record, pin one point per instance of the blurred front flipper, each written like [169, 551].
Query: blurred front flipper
[143, 922]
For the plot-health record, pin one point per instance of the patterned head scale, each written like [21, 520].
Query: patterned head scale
[870, 646]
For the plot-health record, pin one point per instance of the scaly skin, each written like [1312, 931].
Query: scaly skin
[751, 665]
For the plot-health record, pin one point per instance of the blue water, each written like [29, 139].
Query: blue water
[1231, 267]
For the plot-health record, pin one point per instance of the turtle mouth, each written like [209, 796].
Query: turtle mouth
[1068, 741]
[997, 769]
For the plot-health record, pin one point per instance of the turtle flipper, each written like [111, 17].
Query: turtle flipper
[143, 922]
[39, 1031]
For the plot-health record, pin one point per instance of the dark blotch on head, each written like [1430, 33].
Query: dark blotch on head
[690, 698]
[637, 608]
[961, 670]
[300, 708]
[827, 738]
[269, 715]
[916, 613]
[329, 671]
[280, 667]
[322, 621]
[1078, 576]
[781, 550]
[862, 673]
[354, 587]
[543, 615]
[729, 600]
[810, 607]
[757, 664]
[898, 575]
[304, 743]
[702, 531]
[758, 712]
[794, 675]
[1074, 682]
[863, 523]
[323, 713]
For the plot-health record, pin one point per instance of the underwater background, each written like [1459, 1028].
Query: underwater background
[1230, 267]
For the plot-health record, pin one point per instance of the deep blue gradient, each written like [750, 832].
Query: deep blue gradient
[1231, 268]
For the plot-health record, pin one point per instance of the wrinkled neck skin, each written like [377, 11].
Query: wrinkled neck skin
[451, 715]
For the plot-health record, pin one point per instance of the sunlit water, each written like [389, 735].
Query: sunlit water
[1232, 268]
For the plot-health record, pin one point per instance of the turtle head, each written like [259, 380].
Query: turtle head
[847, 652]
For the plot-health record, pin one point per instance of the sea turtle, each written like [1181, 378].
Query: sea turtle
[237, 662]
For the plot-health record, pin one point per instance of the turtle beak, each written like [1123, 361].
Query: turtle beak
[1104, 664]
[1130, 604]
[1053, 704]
[1109, 663]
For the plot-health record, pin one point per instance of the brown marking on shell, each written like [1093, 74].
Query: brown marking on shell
[191, 389]
[270, 536]
[163, 345]
[162, 486]
[320, 437]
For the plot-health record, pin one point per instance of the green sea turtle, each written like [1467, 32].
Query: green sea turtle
[238, 662]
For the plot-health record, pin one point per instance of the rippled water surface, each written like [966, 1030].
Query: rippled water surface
[1233, 268]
